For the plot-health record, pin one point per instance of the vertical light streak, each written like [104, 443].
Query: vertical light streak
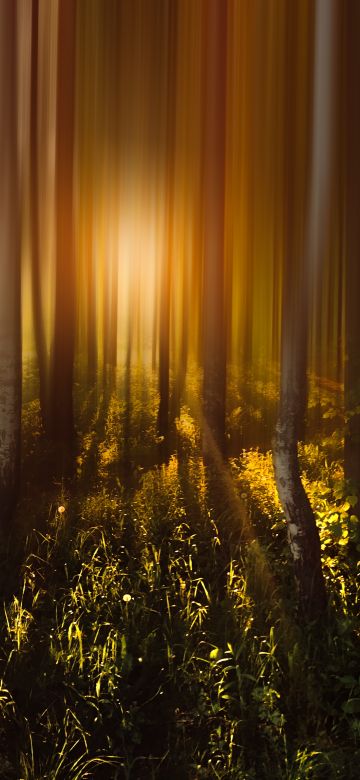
[141, 200]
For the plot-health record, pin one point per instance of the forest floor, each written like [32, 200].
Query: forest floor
[149, 626]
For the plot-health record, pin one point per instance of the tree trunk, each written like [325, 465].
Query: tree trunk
[214, 336]
[180, 379]
[37, 303]
[87, 101]
[352, 241]
[167, 260]
[303, 534]
[299, 283]
[10, 317]
[62, 421]
[111, 309]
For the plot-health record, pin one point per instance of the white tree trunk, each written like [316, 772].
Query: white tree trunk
[302, 531]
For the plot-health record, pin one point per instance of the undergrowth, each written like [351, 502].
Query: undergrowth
[152, 631]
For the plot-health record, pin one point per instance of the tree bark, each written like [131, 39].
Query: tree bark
[214, 335]
[62, 367]
[352, 241]
[166, 267]
[37, 303]
[299, 283]
[10, 316]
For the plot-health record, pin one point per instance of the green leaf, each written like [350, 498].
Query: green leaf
[336, 530]
[348, 681]
[215, 654]
[351, 706]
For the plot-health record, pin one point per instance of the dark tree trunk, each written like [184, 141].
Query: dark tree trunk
[91, 302]
[37, 302]
[214, 331]
[180, 379]
[166, 268]
[62, 365]
[164, 350]
[111, 312]
[10, 309]
[352, 240]
[90, 118]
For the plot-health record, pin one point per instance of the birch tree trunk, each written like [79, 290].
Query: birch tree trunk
[299, 283]
[10, 318]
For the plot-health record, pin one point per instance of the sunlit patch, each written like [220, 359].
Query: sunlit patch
[108, 455]
[18, 622]
[186, 427]
[255, 473]
[109, 447]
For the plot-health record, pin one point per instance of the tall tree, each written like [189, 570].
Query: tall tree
[299, 281]
[167, 260]
[214, 335]
[62, 363]
[37, 302]
[87, 99]
[352, 240]
[112, 128]
[10, 318]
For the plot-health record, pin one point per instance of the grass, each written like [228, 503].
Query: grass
[151, 630]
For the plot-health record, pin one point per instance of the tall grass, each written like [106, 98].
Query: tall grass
[147, 635]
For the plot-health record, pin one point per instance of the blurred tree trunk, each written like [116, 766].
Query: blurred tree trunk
[111, 310]
[37, 303]
[181, 369]
[10, 316]
[214, 139]
[62, 364]
[352, 240]
[88, 110]
[300, 277]
[111, 129]
[91, 303]
[166, 274]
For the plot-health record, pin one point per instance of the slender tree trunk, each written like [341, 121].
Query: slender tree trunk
[62, 420]
[352, 240]
[166, 270]
[302, 530]
[180, 379]
[10, 317]
[214, 336]
[114, 309]
[89, 126]
[155, 325]
[91, 304]
[37, 302]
